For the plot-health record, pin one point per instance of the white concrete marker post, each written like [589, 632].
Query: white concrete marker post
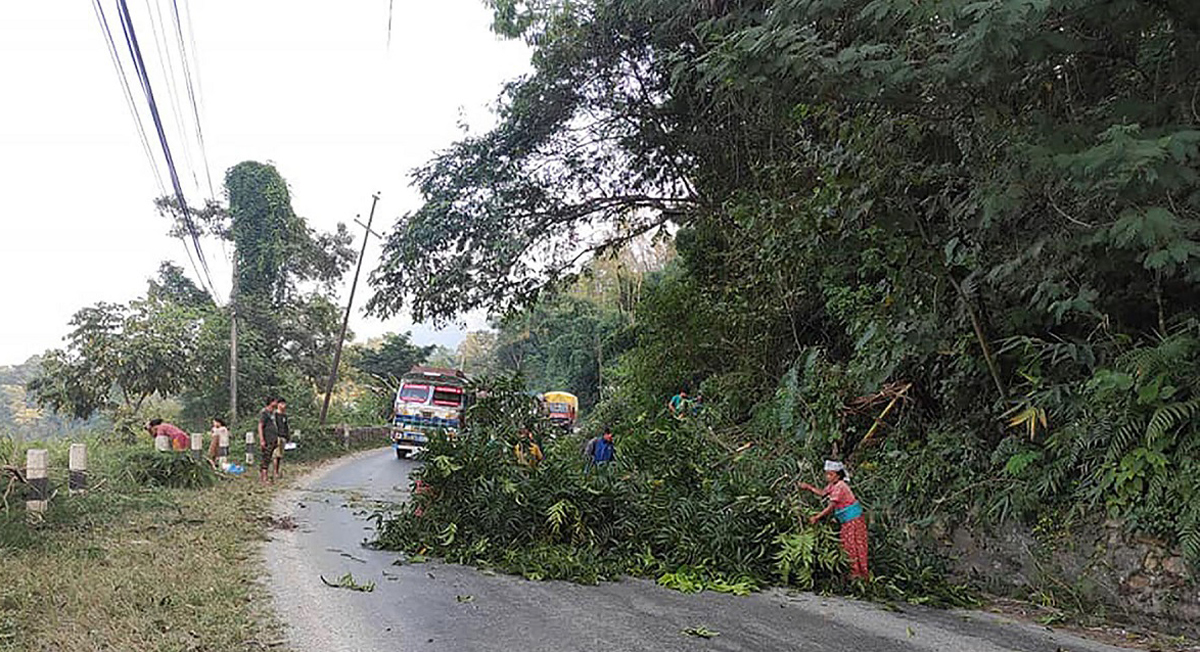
[37, 475]
[77, 480]
[162, 443]
[250, 441]
[223, 448]
[197, 441]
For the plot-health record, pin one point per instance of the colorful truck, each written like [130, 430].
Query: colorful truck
[562, 409]
[429, 399]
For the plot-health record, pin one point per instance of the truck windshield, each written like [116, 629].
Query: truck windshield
[414, 393]
[558, 408]
[451, 396]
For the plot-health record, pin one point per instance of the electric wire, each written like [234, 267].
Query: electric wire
[187, 78]
[123, 78]
[140, 68]
[167, 65]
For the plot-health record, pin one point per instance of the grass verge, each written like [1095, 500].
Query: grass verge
[133, 567]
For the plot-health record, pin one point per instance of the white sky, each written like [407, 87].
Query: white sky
[309, 86]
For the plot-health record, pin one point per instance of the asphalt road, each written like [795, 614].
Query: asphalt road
[438, 607]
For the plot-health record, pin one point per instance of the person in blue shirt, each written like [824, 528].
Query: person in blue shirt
[678, 405]
[600, 450]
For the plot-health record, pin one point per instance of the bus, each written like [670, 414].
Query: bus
[562, 409]
[429, 399]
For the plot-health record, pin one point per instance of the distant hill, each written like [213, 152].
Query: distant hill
[20, 418]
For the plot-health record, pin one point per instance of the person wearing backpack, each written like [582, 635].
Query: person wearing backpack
[600, 450]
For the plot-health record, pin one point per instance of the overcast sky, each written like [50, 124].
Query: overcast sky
[311, 86]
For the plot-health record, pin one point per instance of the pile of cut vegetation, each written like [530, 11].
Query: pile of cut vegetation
[674, 506]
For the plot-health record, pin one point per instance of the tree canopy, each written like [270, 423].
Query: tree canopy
[995, 202]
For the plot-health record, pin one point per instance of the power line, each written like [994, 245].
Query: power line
[187, 78]
[140, 67]
[123, 78]
[167, 65]
[389, 39]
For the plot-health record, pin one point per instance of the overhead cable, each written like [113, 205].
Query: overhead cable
[140, 67]
[187, 78]
[167, 65]
[123, 78]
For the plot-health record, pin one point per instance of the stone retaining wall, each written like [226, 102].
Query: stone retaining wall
[1085, 566]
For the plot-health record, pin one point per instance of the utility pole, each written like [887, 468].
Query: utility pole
[233, 347]
[337, 352]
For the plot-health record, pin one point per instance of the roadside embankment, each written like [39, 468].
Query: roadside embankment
[146, 559]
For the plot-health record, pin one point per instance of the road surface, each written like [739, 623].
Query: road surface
[434, 607]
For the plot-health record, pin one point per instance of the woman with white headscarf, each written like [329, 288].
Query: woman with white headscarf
[848, 511]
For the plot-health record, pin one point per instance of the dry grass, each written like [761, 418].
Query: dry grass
[153, 578]
[132, 569]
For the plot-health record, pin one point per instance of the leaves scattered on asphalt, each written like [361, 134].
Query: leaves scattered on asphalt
[465, 598]
[701, 632]
[347, 582]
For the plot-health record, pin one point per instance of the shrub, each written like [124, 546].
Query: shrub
[174, 470]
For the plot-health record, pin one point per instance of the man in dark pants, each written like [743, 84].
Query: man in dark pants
[281, 426]
[268, 437]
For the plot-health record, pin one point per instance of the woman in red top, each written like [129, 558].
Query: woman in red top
[848, 510]
[180, 440]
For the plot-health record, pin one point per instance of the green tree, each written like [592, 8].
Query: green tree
[392, 355]
[561, 344]
[286, 272]
[119, 356]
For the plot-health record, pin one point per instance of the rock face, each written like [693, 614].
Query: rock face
[1093, 565]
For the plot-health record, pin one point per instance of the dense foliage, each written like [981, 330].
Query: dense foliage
[675, 506]
[981, 214]
[118, 356]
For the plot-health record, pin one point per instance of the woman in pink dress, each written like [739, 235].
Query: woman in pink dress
[848, 511]
[180, 440]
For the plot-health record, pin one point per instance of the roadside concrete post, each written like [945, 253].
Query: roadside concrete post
[37, 475]
[77, 465]
[249, 450]
[197, 441]
[162, 443]
[223, 447]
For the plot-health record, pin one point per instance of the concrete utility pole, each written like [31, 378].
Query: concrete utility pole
[233, 350]
[337, 352]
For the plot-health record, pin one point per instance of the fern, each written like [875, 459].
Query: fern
[1124, 438]
[1018, 463]
[1169, 416]
[1189, 542]
[1162, 359]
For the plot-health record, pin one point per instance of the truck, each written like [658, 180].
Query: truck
[562, 409]
[429, 399]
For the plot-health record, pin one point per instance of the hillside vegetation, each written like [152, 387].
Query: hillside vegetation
[987, 211]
